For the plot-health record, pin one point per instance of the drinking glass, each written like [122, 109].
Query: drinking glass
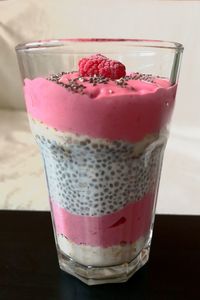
[102, 142]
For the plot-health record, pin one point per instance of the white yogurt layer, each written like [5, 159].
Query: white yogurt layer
[98, 256]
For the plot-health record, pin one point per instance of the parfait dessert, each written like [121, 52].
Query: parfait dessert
[102, 131]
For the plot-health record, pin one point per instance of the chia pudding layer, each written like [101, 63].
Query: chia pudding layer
[93, 177]
[102, 143]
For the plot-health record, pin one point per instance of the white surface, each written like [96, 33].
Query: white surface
[22, 181]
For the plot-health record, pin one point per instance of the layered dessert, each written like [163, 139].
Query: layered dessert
[102, 132]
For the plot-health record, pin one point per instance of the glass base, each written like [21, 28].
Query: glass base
[101, 275]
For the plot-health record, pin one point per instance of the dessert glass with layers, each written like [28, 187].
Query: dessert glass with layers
[102, 142]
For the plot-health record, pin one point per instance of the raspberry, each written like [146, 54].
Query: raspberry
[101, 66]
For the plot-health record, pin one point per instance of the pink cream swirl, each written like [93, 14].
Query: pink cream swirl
[122, 227]
[102, 111]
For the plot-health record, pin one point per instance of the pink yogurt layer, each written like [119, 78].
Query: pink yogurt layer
[124, 226]
[103, 111]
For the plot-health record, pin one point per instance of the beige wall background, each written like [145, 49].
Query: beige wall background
[21, 20]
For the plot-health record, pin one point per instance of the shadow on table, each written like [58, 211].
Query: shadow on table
[71, 288]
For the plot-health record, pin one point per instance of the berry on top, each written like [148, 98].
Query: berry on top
[101, 66]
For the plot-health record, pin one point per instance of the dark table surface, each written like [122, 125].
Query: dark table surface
[29, 268]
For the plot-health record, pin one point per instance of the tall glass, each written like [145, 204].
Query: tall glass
[102, 136]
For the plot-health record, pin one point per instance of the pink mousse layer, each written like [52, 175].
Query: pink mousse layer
[103, 111]
[124, 226]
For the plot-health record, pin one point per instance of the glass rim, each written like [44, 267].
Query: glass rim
[146, 43]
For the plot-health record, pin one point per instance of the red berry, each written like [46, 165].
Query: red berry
[101, 66]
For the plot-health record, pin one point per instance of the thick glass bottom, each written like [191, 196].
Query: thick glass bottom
[100, 275]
